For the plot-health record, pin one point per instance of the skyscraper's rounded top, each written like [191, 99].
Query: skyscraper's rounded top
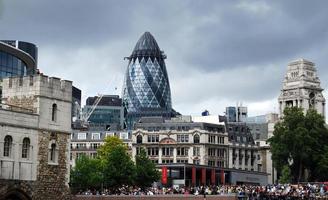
[146, 46]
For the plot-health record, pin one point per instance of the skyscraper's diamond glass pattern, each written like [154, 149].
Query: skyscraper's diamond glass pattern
[146, 86]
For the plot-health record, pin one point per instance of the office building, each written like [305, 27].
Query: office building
[17, 58]
[107, 114]
[146, 89]
[301, 88]
[192, 153]
[87, 142]
[236, 114]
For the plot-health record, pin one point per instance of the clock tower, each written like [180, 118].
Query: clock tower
[301, 88]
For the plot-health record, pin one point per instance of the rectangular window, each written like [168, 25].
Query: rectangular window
[152, 151]
[153, 138]
[82, 136]
[211, 139]
[182, 151]
[96, 136]
[167, 151]
[196, 151]
[183, 138]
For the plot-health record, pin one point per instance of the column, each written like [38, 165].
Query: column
[174, 155]
[160, 155]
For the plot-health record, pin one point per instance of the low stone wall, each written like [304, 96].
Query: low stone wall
[156, 197]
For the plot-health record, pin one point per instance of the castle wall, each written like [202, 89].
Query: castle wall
[39, 108]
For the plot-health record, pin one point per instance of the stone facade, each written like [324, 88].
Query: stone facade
[35, 120]
[301, 88]
[87, 142]
[177, 141]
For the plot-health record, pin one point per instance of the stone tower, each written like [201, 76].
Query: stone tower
[301, 88]
[35, 127]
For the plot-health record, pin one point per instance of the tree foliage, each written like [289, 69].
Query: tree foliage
[285, 175]
[110, 143]
[300, 141]
[86, 174]
[119, 169]
[146, 172]
[113, 168]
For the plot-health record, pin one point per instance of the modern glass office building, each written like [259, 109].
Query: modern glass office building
[146, 89]
[107, 115]
[17, 58]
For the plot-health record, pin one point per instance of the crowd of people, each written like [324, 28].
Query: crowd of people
[251, 192]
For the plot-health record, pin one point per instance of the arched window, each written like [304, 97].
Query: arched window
[196, 139]
[139, 139]
[8, 143]
[54, 112]
[311, 100]
[53, 152]
[26, 148]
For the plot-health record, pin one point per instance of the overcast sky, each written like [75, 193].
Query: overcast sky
[218, 52]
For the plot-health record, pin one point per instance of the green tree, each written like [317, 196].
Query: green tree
[86, 174]
[285, 175]
[146, 172]
[299, 141]
[110, 142]
[119, 169]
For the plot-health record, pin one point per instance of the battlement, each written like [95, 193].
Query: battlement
[37, 85]
[45, 81]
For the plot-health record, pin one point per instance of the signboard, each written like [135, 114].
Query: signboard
[164, 175]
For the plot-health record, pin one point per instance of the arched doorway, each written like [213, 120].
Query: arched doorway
[16, 195]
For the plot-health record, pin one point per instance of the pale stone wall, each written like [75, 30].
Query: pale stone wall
[300, 81]
[18, 126]
[27, 112]
[203, 145]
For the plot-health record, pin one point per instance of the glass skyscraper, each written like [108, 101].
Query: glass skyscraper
[146, 90]
[17, 58]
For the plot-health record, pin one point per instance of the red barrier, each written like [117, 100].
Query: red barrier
[203, 176]
[213, 176]
[193, 176]
[222, 177]
[164, 175]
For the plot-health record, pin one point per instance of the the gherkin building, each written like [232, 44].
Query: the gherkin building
[146, 89]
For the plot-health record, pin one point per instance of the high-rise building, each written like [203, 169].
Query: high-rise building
[236, 114]
[301, 88]
[146, 90]
[17, 58]
[107, 115]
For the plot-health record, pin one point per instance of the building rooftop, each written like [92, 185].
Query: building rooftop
[147, 46]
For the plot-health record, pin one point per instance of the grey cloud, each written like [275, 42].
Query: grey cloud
[224, 51]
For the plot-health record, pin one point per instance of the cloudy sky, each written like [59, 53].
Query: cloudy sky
[219, 52]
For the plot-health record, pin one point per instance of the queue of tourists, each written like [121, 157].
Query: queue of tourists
[251, 192]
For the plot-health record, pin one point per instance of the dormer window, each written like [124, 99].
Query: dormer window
[54, 112]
